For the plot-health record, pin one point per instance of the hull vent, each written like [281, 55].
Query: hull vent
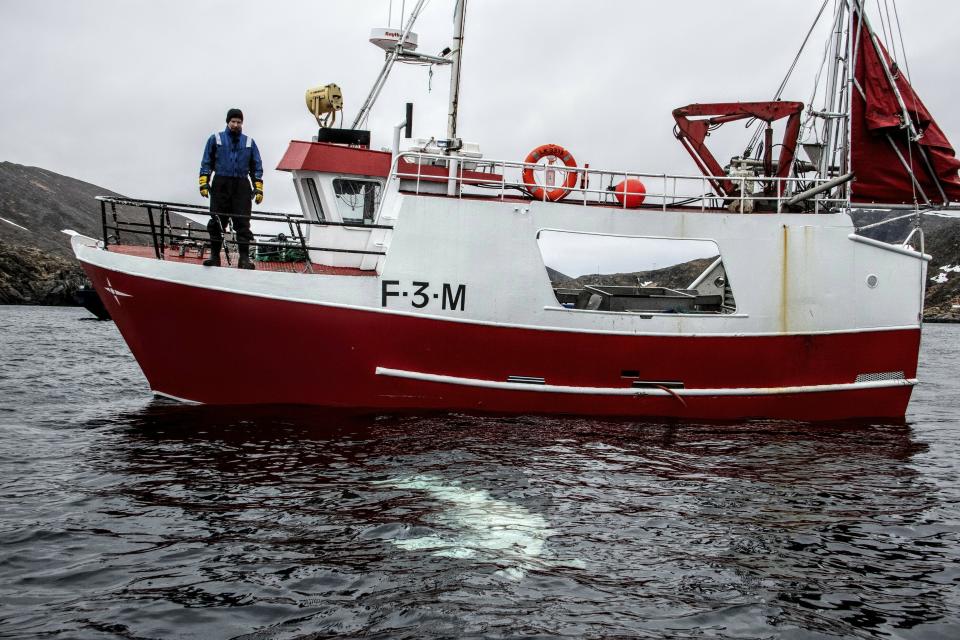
[879, 376]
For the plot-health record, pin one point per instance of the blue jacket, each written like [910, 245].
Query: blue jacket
[231, 157]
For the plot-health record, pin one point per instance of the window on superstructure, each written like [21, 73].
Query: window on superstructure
[310, 186]
[357, 200]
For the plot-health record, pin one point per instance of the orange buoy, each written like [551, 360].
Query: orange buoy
[630, 193]
[545, 151]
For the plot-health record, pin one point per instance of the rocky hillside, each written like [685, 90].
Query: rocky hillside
[32, 276]
[36, 204]
[36, 263]
[675, 277]
[943, 283]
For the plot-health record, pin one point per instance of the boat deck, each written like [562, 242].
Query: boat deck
[193, 256]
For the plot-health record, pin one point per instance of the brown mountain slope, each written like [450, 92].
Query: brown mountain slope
[40, 203]
[36, 263]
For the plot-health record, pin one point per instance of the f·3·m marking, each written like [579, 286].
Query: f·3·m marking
[422, 294]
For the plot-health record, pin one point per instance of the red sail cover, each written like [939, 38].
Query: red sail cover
[880, 175]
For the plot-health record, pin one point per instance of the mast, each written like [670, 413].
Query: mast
[853, 50]
[455, 55]
[833, 105]
[392, 57]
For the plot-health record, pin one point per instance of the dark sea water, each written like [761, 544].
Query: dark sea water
[125, 517]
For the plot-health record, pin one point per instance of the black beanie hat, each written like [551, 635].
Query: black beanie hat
[234, 113]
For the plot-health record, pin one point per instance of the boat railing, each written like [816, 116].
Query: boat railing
[502, 179]
[162, 234]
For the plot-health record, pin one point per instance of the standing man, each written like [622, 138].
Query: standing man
[234, 160]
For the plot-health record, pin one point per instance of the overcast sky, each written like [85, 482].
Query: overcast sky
[123, 93]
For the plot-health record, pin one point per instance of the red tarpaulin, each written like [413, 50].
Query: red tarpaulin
[880, 175]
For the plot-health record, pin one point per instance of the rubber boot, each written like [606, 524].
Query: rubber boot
[244, 261]
[214, 259]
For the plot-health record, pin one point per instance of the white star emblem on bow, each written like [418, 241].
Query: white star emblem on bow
[116, 293]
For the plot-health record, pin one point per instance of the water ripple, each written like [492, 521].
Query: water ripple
[124, 517]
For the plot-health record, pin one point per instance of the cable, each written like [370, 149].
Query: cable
[903, 48]
[793, 65]
[906, 60]
[893, 42]
[806, 39]
[808, 122]
[883, 222]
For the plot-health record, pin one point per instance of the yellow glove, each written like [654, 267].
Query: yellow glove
[204, 187]
[258, 191]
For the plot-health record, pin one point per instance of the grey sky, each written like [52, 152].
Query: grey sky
[123, 93]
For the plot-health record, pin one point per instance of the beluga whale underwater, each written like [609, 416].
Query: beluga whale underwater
[479, 527]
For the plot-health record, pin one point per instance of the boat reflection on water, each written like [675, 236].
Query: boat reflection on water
[455, 524]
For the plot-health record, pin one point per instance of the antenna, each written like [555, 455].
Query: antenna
[400, 47]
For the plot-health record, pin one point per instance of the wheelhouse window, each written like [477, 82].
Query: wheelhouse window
[313, 197]
[630, 274]
[357, 200]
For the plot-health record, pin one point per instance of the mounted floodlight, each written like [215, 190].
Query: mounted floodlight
[388, 39]
[324, 102]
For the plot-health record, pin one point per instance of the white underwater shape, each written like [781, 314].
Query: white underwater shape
[484, 528]
[939, 278]
[947, 268]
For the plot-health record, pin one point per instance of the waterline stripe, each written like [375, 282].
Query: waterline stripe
[634, 391]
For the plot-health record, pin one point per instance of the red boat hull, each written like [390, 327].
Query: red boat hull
[227, 348]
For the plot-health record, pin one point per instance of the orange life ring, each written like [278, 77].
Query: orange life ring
[536, 190]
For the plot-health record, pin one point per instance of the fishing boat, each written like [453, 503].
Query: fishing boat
[433, 278]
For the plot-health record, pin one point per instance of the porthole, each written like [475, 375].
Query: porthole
[872, 281]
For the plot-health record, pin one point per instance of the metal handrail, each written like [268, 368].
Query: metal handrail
[266, 216]
[772, 190]
[158, 233]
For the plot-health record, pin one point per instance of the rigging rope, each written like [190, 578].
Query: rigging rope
[893, 42]
[756, 135]
[903, 52]
[796, 58]
[834, 45]
[808, 122]
[886, 36]
[903, 48]
[887, 221]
